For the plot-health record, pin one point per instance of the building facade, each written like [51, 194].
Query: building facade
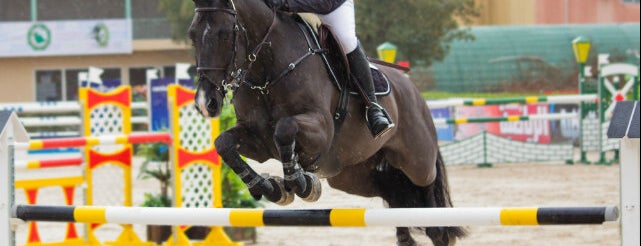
[48, 43]
[541, 12]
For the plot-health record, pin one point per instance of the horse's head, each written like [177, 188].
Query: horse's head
[214, 32]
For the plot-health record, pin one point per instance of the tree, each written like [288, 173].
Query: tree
[422, 29]
[179, 14]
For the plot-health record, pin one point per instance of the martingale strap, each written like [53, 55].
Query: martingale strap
[343, 99]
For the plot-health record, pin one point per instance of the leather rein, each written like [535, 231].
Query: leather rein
[238, 74]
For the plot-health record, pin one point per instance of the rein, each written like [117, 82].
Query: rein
[238, 74]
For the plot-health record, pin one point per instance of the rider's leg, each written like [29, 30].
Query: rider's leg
[343, 24]
[377, 120]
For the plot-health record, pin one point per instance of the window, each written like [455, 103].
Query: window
[48, 85]
[138, 76]
[146, 9]
[138, 82]
[15, 10]
[630, 1]
[111, 74]
[71, 83]
[169, 71]
[62, 84]
[80, 9]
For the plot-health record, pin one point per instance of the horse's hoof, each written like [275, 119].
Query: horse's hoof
[286, 197]
[406, 242]
[298, 184]
[314, 188]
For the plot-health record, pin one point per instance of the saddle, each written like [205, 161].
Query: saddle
[337, 63]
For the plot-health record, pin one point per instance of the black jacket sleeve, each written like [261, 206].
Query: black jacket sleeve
[314, 6]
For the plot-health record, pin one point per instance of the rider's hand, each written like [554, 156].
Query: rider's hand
[278, 4]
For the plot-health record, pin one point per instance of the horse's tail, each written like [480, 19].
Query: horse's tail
[398, 191]
[441, 195]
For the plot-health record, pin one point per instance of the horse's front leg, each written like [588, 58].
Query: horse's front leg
[227, 145]
[306, 185]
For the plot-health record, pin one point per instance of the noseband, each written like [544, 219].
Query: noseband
[202, 71]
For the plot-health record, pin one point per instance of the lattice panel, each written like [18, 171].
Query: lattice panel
[495, 149]
[195, 131]
[197, 186]
[590, 133]
[106, 192]
[466, 151]
[608, 144]
[106, 120]
[503, 150]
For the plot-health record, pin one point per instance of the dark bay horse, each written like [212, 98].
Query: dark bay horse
[285, 100]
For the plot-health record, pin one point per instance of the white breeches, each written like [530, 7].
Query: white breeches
[342, 23]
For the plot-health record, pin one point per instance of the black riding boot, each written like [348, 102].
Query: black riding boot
[378, 121]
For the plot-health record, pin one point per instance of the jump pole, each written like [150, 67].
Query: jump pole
[347, 217]
[458, 121]
[54, 143]
[521, 100]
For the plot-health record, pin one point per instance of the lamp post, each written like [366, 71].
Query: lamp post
[581, 48]
[387, 52]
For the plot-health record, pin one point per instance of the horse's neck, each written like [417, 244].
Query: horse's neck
[256, 17]
[280, 38]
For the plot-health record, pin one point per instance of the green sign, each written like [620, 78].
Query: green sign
[101, 34]
[39, 36]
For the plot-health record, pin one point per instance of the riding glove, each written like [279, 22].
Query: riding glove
[278, 4]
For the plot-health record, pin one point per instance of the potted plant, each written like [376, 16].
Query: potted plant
[156, 166]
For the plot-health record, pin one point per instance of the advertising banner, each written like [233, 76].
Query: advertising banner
[444, 132]
[464, 131]
[59, 38]
[187, 83]
[535, 131]
[159, 112]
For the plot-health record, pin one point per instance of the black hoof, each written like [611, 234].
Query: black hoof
[314, 188]
[296, 183]
[283, 197]
[272, 189]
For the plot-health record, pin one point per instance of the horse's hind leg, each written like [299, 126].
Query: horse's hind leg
[304, 184]
[404, 237]
[362, 179]
[392, 180]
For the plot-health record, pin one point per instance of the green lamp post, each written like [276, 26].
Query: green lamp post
[387, 52]
[581, 47]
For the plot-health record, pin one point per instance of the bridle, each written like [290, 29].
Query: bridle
[202, 71]
[233, 79]
[236, 76]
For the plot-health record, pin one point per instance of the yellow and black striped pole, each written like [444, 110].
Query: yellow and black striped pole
[338, 217]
